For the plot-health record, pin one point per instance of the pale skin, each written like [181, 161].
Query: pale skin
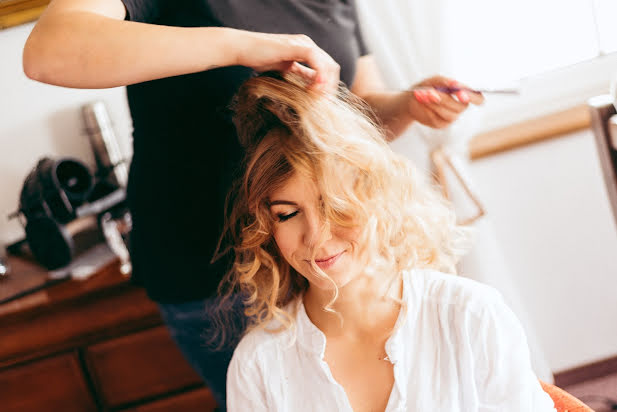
[87, 44]
[355, 348]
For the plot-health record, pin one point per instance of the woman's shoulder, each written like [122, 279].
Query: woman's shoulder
[265, 342]
[448, 290]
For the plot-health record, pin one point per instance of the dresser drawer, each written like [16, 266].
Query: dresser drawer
[53, 384]
[138, 366]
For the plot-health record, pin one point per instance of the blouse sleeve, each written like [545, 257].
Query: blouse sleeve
[245, 382]
[505, 379]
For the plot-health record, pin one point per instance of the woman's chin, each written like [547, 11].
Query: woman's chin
[337, 279]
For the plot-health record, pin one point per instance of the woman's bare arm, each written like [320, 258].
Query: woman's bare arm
[422, 103]
[88, 44]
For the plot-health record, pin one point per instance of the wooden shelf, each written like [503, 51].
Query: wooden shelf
[531, 131]
[16, 12]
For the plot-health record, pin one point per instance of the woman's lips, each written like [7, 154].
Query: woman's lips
[328, 262]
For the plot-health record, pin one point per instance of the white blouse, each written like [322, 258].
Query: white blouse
[457, 348]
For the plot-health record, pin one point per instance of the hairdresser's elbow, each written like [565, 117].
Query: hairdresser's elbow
[33, 61]
[31, 66]
[41, 61]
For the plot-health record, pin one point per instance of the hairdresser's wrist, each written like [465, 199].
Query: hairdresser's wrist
[233, 46]
[393, 110]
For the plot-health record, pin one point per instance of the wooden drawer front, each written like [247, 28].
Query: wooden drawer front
[54, 384]
[70, 325]
[200, 400]
[139, 366]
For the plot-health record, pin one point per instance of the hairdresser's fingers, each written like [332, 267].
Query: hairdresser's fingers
[467, 95]
[456, 100]
[435, 120]
[429, 95]
[464, 96]
[284, 52]
[327, 71]
[453, 103]
[324, 73]
[475, 98]
[311, 75]
[448, 108]
[289, 66]
[435, 81]
[421, 110]
[444, 113]
[302, 70]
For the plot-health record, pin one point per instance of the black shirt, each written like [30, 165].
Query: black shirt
[185, 150]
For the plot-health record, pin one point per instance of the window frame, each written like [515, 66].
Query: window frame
[551, 92]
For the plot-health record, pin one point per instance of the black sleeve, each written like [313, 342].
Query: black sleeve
[143, 11]
[362, 47]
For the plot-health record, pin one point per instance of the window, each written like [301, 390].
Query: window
[559, 52]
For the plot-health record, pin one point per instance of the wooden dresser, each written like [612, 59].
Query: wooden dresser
[92, 345]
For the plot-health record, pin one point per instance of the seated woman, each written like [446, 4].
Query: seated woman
[340, 246]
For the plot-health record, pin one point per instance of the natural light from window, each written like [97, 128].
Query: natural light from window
[502, 41]
[559, 52]
[607, 24]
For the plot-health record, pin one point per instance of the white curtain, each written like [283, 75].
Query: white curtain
[410, 41]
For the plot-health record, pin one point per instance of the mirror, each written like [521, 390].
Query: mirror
[16, 12]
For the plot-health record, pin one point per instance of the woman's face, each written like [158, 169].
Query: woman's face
[299, 230]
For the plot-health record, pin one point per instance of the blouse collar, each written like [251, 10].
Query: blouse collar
[313, 340]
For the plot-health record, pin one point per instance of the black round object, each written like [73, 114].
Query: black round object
[50, 243]
[75, 179]
[55, 188]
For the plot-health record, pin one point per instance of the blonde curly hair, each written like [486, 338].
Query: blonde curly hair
[286, 128]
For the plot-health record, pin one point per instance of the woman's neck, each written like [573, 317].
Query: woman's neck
[364, 306]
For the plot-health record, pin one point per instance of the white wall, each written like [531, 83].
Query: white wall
[552, 217]
[39, 120]
[547, 203]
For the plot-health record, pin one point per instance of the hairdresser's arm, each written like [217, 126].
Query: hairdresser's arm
[87, 44]
[422, 103]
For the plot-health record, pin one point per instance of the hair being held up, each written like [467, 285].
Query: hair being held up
[287, 129]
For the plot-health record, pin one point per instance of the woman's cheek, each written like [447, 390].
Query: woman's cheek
[284, 244]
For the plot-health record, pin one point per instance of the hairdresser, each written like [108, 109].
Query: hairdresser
[182, 61]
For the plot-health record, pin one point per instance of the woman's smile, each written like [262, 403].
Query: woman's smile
[328, 261]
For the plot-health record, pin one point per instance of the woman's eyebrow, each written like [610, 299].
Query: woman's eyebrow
[282, 202]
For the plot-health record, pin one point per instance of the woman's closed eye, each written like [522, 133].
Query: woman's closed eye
[283, 217]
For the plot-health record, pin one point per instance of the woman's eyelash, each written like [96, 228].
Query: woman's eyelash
[283, 218]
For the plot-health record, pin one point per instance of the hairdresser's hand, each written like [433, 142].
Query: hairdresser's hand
[285, 52]
[438, 109]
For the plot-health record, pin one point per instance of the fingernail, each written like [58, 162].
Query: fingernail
[464, 97]
[434, 96]
[420, 96]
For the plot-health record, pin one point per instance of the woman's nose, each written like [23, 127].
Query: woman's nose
[317, 229]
